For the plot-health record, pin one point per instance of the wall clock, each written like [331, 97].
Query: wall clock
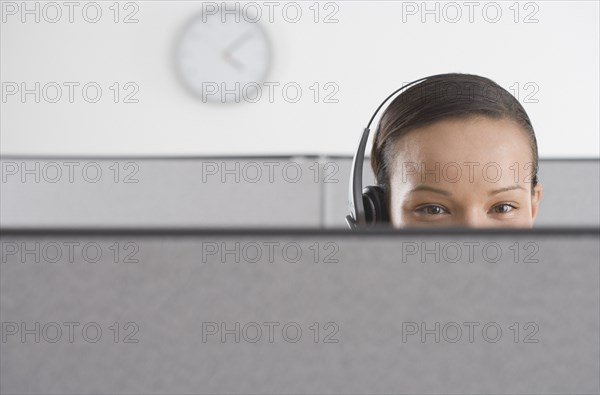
[229, 54]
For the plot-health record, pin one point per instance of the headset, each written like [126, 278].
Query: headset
[368, 206]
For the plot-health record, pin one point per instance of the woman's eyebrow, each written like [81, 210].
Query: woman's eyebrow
[496, 191]
[448, 193]
[430, 189]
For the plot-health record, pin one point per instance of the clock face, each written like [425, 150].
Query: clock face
[223, 61]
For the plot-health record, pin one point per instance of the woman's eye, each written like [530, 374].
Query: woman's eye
[503, 208]
[432, 210]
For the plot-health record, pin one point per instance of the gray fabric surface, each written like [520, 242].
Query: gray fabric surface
[377, 285]
[173, 192]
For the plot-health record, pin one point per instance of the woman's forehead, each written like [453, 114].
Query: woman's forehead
[472, 139]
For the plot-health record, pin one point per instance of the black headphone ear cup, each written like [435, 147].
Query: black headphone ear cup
[375, 205]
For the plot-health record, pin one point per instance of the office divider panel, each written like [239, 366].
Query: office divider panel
[208, 192]
[284, 311]
[232, 192]
[570, 197]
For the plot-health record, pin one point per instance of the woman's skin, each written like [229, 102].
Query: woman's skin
[468, 172]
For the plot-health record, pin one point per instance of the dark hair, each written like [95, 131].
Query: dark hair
[444, 96]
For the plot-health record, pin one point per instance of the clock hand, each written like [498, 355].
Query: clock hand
[238, 42]
[237, 65]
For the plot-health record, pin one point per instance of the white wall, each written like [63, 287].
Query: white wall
[368, 53]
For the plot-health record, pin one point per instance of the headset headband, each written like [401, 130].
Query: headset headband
[357, 218]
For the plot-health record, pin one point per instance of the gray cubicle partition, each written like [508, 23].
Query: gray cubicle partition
[288, 312]
[570, 197]
[211, 192]
[304, 191]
